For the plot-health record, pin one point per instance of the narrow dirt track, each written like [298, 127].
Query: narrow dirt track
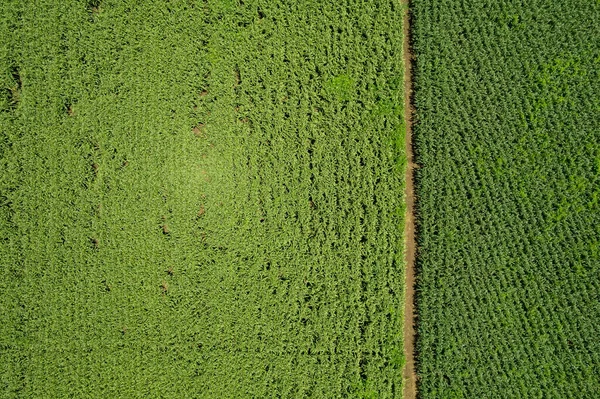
[410, 377]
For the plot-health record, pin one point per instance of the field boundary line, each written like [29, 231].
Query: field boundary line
[409, 372]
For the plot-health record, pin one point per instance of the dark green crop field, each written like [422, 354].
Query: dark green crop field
[507, 96]
[203, 199]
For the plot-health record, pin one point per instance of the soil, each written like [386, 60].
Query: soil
[199, 130]
[409, 373]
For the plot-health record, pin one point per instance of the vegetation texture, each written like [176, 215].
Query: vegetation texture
[507, 95]
[201, 199]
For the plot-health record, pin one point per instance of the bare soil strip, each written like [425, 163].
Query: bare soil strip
[410, 377]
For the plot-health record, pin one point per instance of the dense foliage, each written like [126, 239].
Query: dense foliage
[507, 95]
[201, 199]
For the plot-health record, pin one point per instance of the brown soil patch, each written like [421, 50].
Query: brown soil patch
[236, 75]
[409, 373]
[199, 130]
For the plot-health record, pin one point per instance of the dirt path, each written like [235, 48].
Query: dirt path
[410, 377]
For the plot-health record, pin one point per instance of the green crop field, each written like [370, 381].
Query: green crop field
[201, 199]
[507, 97]
[206, 199]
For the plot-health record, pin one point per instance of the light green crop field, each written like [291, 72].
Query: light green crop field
[201, 199]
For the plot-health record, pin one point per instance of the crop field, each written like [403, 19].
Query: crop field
[202, 199]
[214, 199]
[507, 134]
